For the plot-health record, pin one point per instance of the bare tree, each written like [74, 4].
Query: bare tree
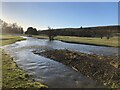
[50, 34]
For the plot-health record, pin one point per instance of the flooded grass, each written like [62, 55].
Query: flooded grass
[12, 76]
[98, 68]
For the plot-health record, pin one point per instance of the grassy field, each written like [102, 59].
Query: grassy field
[12, 76]
[92, 41]
[113, 41]
[9, 39]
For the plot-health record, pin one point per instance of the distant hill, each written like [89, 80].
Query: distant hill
[98, 31]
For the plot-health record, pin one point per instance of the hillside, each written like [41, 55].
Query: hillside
[99, 31]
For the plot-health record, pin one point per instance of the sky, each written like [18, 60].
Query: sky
[40, 15]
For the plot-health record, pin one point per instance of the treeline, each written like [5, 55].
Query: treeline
[102, 31]
[6, 28]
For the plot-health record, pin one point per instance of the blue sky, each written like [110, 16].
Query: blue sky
[60, 14]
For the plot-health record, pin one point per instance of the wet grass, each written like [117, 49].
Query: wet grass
[113, 41]
[12, 75]
[103, 69]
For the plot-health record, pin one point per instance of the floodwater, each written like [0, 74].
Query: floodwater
[50, 72]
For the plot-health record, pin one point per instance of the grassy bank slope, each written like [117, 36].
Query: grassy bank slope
[12, 76]
[92, 41]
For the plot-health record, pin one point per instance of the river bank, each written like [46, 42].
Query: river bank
[112, 42]
[12, 75]
[102, 69]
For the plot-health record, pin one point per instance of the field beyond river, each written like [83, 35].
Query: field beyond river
[111, 42]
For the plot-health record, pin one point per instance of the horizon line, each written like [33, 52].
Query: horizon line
[86, 27]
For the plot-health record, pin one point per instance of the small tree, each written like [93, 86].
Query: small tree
[51, 34]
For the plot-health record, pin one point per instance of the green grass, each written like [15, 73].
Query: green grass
[12, 76]
[9, 39]
[93, 41]
[113, 41]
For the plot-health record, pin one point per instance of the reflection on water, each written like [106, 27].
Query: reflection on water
[52, 73]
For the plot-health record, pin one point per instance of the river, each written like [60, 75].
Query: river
[50, 72]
